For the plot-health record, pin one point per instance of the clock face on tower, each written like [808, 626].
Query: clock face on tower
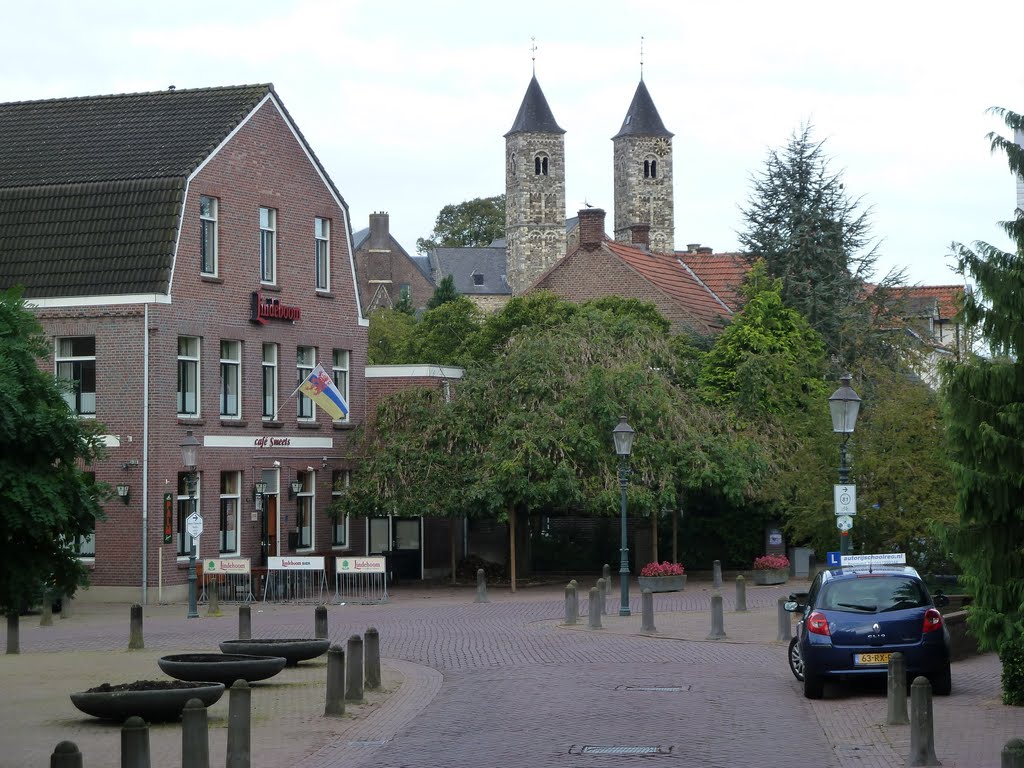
[662, 147]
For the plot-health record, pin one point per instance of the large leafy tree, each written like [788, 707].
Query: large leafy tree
[474, 222]
[985, 426]
[46, 500]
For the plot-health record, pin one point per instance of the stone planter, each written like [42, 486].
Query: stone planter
[221, 667]
[767, 577]
[293, 650]
[662, 583]
[155, 701]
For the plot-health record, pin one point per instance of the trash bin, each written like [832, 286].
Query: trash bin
[800, 562]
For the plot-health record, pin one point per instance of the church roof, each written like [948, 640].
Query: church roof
[642, 118]
[534, 113]
[475, 270]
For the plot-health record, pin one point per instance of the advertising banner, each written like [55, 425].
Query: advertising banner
[360, 565]
[227, 565]
[296, 563]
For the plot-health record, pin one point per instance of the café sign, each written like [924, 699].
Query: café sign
[272, 309]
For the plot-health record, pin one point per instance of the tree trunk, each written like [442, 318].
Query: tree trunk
[13, 642]
[654, 536]
[512, 546]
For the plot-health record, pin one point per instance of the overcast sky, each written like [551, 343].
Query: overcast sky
[406, 103]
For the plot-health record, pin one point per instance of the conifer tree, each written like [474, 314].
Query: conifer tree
[444, 292]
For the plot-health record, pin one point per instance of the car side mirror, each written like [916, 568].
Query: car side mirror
[792, 606]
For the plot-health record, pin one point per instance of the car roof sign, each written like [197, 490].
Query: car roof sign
[888, 558]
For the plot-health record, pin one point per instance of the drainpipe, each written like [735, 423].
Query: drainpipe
[145, 455]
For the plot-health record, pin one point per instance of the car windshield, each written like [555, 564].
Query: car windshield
[873, 594]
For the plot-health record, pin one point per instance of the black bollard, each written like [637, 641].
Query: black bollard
[897, 691]
[354, 669]
[244, 622]
[320, 622]
[481, 587]
[922, 730]
[741, 594]
[13, 640]
[570, 604]
[594, 609]
[647, 611]
[135, 642]
[717, 618]
[371, 647]
[66, 755]
[335, 706]
[134, 743]
[239, 725]
[195, 735]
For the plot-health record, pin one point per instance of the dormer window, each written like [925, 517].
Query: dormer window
[540, 165]
[650, 169]
[478, 279]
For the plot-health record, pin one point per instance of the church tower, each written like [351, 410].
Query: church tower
[643, 174]
[534, 191]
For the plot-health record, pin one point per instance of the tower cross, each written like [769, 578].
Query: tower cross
[533, 53]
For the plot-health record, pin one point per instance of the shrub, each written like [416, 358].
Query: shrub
[1012, 656]
[663, 569]
[771, 563]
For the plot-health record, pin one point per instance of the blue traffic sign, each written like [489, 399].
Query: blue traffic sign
[832, 559]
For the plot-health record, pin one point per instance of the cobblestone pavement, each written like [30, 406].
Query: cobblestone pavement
[502, 684]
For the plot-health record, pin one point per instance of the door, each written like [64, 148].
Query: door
[273, 546]
[406, 550]
[380, 536]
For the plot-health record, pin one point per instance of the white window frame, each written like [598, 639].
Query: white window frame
[189, 361]
[306, 497]
[181, 537]
[71, 367]
[208, 235]
[230, 498]
[305, 362]
[342, 361]
[340, 523]
[322, 253]
[269, 381]
[268, 245]
[230, 369]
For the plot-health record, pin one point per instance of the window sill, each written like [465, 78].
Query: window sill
[309, 425]
[341, 547]
[233, 423]
[343, 425]
[211, 279]
[272, 287]
[192, 421]
[272, 424]
[324, 294]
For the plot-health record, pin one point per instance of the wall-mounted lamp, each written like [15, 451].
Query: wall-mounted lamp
[123, 490]
[323, 463]
[258, 489]
[294, 489]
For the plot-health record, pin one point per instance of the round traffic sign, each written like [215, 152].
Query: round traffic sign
[844, 522]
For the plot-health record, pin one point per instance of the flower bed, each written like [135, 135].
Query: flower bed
[662, 577]
[771, 569]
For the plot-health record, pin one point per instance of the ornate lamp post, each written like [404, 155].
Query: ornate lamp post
[623, 437]
[845, 405]
[259, 489]
[190, 458]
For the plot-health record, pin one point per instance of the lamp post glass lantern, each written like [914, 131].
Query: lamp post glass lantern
[259, 489]
[623, 437]
[845, 406]
[190, 458]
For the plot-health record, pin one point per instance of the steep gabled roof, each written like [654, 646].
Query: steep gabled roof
[722, 273]
[534, 113]
[642, 118]
[926, 300]
[463, 263]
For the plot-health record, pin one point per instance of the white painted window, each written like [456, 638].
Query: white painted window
[188, 376]
[305, 359]
[230, 504]
[230, 379]
[339, 372]
[76, 364]
[340, 481]
[305, 509]
[268, 245]
[208, 235]
[322, 253]
[269, 381]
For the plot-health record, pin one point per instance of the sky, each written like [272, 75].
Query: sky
[406, 103]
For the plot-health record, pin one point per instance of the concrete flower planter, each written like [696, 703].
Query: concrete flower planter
[221, 667]
[293, 650]
[155, 701]
[767, 577]
[662, 583]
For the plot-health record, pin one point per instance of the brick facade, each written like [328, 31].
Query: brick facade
[383, 268]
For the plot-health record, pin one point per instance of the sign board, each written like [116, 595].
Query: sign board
[168, 518]
[832, 559]
[888, 558]
[846, 499]
[194, 525]
[844, 522]
[296, 563]
[360, 565]
[227, 565]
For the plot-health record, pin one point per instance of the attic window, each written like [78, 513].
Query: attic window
[478, 279]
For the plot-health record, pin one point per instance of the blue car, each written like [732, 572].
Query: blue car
[854, 617]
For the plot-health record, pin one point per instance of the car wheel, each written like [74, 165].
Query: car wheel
[814, 686]
[942, 681]
[796, 661]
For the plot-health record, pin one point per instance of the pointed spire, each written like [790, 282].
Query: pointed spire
[642, 118]
[534, 113]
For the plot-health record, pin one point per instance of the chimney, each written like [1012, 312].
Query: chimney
[379, 232]
[692, 247]
[591, 228]
[640, 236]
[705, 250]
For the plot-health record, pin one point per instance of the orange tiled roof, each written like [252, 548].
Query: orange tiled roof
[721, 272]
[922, 298]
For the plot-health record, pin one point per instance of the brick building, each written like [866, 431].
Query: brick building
[190, 259]
[385, 271]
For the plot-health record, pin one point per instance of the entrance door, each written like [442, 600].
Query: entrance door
[406, 550]
[380, 535]
[273, 545]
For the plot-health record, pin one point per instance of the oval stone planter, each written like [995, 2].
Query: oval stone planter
[662, 583]
[160, 702]
[293, 650]
[221, 667]
[766, 578]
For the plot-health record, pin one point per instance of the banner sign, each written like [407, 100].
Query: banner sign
[227, 565]
[360, 565]
[168, 518]
[296, 563]
[889, 558]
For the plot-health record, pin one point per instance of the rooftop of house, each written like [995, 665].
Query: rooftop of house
[475, 271]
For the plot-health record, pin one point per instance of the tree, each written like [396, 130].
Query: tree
[46, 501]
[443, 333]
[444, 292]
[474, 222]
[984, 419]
[390, 336]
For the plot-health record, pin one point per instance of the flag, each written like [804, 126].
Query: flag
[319, 388]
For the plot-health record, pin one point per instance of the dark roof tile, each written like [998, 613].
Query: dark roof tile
[534, 113]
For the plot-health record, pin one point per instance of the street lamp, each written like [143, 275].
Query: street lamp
[259, 489]
[845, 405]
[623, 437]
[190, 458]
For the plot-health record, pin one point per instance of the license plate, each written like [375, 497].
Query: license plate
[867, 659]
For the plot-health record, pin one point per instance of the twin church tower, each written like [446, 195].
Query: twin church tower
[535, 210]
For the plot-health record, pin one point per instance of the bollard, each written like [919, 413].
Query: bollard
[602, 595]
[239, 725]
[647, 611]
[606, 574]
[320, 622]
[594, 609]
[244, 622]
[13, 640]
[46, 618]
[716, 574]
[195, 735]
[717, 618]
[335, 682]
[785, 623]
[371, 647]
[481, 587]
[354, 669]
[741, 594]
[1013, 754]
[213, 606]
[897, 691]
[135, 642]
[65, 607]
[570, 604]
[922, 731]
[134, 743]
[66, 755]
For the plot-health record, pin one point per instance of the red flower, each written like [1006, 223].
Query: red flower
[663, 569]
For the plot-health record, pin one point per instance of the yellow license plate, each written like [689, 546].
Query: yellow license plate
[864, 659]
